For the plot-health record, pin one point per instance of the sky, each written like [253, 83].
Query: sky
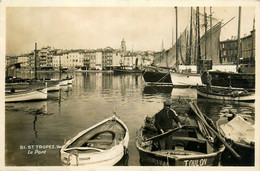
[143, 28]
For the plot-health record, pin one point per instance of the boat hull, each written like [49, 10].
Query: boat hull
[246, 152]
[125, 71]
[66, 82]
[227, 79]
[153, 159]
[185, 79]
[241, 135]
[201, 92]
[26, 95]
[153, 77]
[177, 157]
[99, 157]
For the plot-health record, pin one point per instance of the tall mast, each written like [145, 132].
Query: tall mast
[253, 37]
[196, 39]
[190, 53]
[198, 34]
[162, 45]
[238, 36]
[59, 66]
[177, 63]
[172, 37]
[35, 62]
[205, 24]
[210, 31]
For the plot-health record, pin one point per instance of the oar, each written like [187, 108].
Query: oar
[217, 135]
[163, 134]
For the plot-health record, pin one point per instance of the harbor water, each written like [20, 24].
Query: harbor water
[35, 131]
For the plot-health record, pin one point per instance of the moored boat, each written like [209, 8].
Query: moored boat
[240, 134]
[103, 144]
[52, 85]
[233, 79]
[66, 81]
[157, 76]
[185, 79]
[192, 143]
[26, 95]
[223, 93]
[126, 71]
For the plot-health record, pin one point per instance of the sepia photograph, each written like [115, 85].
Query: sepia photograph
[129, 84]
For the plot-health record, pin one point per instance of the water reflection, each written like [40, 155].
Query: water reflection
[152, 90]
[92, 97]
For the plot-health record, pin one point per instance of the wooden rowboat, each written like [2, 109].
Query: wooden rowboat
[240, 134]
[191, 145]
[103, 144]
[226, 94]
[26, 95]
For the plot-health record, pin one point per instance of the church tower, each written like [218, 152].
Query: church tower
[123, 45]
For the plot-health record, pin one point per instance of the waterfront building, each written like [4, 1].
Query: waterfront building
[116, 58]
[248, 46]
[73, 59]
[128, 61]
[228, 51]
[44, 57]
[247, 58]
[56, 58]
[107, 58]
[88, 58]
[97, 60]
[24, 61]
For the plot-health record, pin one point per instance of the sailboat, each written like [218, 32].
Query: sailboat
[192, 50]
[159, 72]
[245, 75]
[18, 85]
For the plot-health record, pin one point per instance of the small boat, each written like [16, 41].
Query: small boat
[103, 144]
[191, 145]
[52, 85]
[126, 71]
[224, 93]
[66, 81]
[26, 95]
[240, 133]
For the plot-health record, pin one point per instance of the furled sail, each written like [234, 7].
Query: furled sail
[187, 44]
[165, 58]
[212, 44]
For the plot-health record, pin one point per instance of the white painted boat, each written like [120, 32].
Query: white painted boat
[52, 85]
[241, 133]
[26, 95]
[65, 82]
[103, 144]
[222, 94]
[55, 87]
[185, 79]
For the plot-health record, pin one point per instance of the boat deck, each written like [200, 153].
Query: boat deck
[102, 137]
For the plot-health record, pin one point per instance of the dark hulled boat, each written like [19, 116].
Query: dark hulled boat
[245, 75]
[126, 71]
[227, 79]
[156, 75]
[191, 144]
